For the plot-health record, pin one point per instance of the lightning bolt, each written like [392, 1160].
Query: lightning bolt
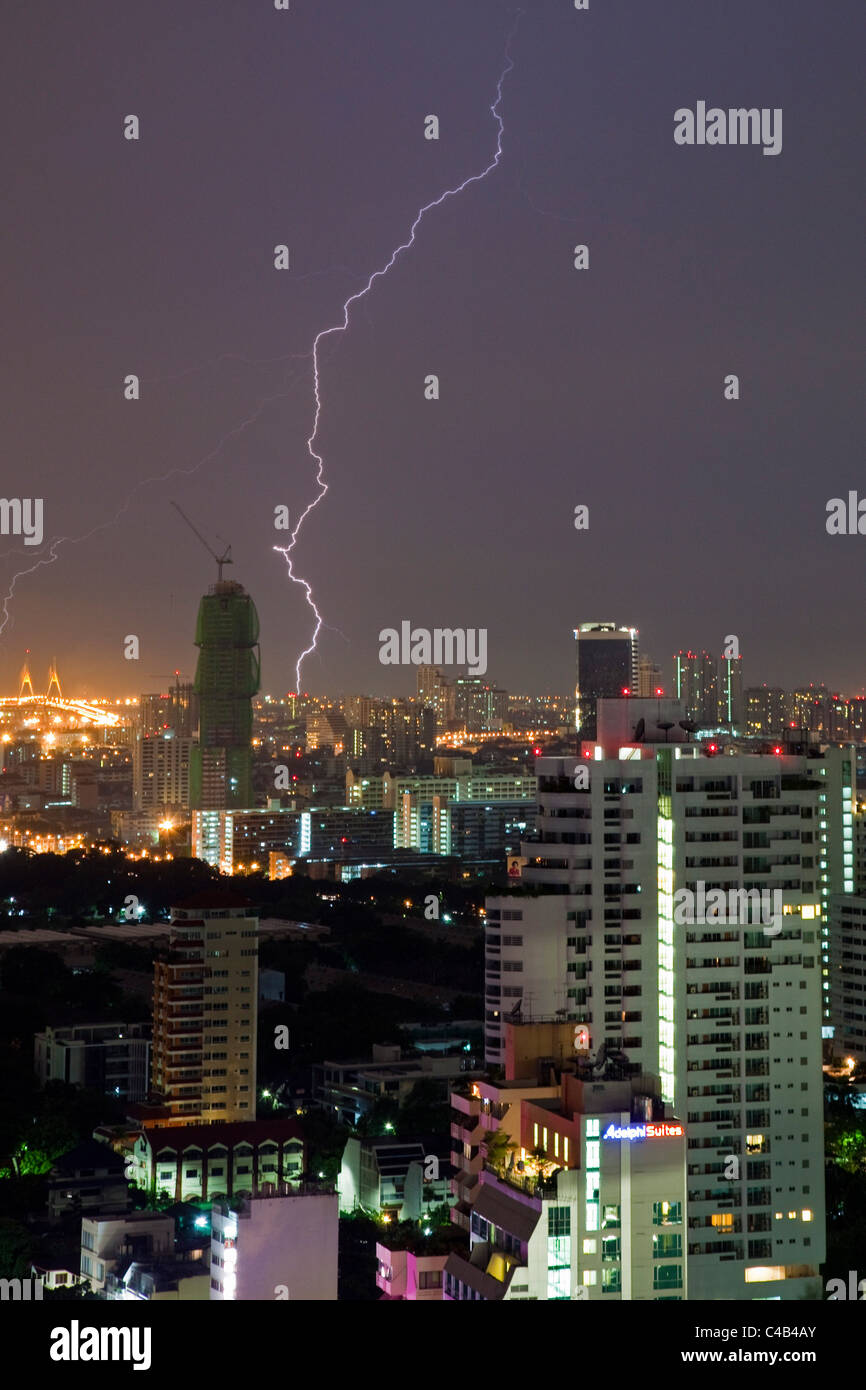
[341, 327]
[53, 546]
[50, 555]
[51, 552]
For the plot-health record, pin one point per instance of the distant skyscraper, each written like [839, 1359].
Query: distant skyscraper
[478, 705]
[696, 684]
[434, 691]
[649, 678]
[326, 728]
[607, 665]
[226, 679]
[765, 711]
[177, 709]
[731, 709]
[408, 732]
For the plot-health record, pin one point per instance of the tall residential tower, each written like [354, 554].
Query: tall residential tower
[728, 1014]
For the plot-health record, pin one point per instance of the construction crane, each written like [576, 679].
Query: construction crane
[224, 559]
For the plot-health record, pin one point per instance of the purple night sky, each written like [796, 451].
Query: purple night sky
[558, 386]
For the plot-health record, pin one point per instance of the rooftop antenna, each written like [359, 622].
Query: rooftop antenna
[224, 559]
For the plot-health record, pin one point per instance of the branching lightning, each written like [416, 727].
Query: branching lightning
[342, 327]
[50, 553]
[54, 545]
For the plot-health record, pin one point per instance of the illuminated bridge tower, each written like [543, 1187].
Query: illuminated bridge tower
[227, 677]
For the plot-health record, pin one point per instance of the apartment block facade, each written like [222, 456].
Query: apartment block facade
[280, 1247]
[109, 1057]
[205, 1013]
[729, 1014]
[848, 974]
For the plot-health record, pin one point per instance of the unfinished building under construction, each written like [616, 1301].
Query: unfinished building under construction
[227, 677]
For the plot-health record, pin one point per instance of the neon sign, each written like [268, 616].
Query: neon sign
[659, 1130]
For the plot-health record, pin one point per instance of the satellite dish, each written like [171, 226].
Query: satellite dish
[666, 725]
[639, 731]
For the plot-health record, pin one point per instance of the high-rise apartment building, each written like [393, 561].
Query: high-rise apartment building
[227, 677]
[731, 708]
[326, 728]
[607, 666]
[177, 709]
[848, 974]
[408, 732]
[649, 680]
[161, 771]
[478, 705]
[860, 847]
[696, 685]
[727, 1013]
[436, 693]
[767, 709]
[205, 1013]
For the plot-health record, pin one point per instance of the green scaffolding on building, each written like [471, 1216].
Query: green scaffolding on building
[227, 677]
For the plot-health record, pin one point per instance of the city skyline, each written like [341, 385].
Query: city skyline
[432, 721]
[399, 683]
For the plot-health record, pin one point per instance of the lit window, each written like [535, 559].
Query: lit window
[761, 1274]
[723, 1220]
[590, 1247]
[589, 1276]
[806, 1214]
[592, 1129]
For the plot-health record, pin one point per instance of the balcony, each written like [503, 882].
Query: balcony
[533, 1186]
[467, 1130]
